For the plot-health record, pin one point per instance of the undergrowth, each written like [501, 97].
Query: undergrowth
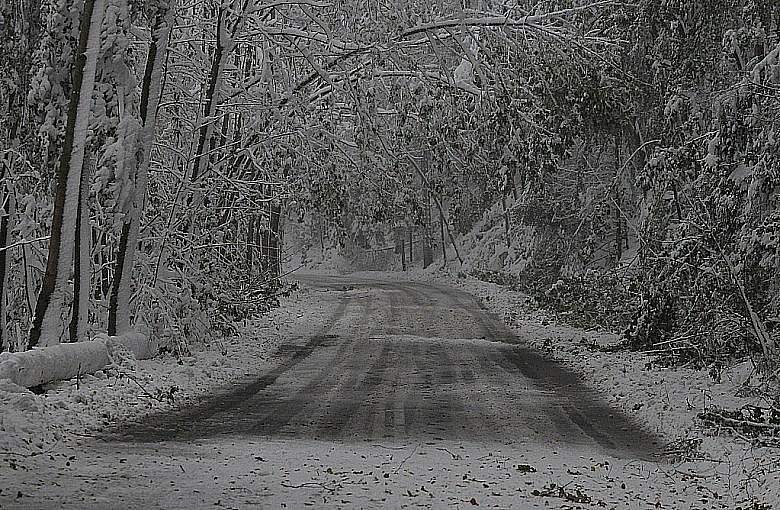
[679, 328]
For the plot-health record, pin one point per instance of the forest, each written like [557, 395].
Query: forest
[473, 231]
[153, 150]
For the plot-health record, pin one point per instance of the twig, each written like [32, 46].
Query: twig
[691, 474]
[395, 471]
[717, 418]
[454, 456]
[309, 484]
[391, 447]
[24, 242]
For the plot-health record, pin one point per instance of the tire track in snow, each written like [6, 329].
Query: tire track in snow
[403, 361]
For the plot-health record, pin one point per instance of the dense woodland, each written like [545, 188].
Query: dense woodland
[620, 161]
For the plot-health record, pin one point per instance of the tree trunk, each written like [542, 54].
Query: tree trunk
[214, 154]
[280, 239]
[274, 248]
[119, 300]
[206, 129]
[428, 243]
[427, 254]
[49, 325]
[6, 216]
[618, 219]
[506, 219]
[443, 238]
[260, 242]
[402, 247]
[439, 205]
[322, 239]
[29, 292]
[411, 245]
[65, 361]
[82, 264]
[103, 287]
[250, 244]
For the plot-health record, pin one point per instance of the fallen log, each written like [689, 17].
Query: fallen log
[65, 361]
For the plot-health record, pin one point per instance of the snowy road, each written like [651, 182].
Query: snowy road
[397, 395]
[404, 361]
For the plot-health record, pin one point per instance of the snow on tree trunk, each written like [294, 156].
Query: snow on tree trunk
[29, 292]
[128, 137]
[6, 215]
[119, 300]
[82, 264]
[50, 321]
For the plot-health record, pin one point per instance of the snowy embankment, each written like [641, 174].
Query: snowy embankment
[666, 400]
[128, 388]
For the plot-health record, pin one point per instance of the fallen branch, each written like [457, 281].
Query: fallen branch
[309, 484]
[753, 422]
[397, 469]
[724, 420]
[454, 456]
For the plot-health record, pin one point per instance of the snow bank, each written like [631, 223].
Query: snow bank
[127, 389]
[664, 400]
[65, 361]
[29, 425]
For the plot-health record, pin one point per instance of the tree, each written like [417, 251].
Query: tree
[139, 157]
[7, 210]
[49, 322]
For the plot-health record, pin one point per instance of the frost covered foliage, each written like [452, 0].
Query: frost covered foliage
[50, 86]
[181, 256]
[709, 206]
[662, 220]
[625, 173]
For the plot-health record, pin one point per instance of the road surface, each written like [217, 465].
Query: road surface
[410, 395]
[407, 360]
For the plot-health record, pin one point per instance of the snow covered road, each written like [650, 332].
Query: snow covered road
[403, 361]
[403, 395]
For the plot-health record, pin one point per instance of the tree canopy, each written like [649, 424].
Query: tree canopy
[628, 151]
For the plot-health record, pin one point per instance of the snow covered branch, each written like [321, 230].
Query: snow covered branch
[502, 21]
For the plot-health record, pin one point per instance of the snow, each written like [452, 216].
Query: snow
[667, 400]
[63, 361]
[143, 136]
[129, 388]
[49, 459]
[318, 474]
[52, 326]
